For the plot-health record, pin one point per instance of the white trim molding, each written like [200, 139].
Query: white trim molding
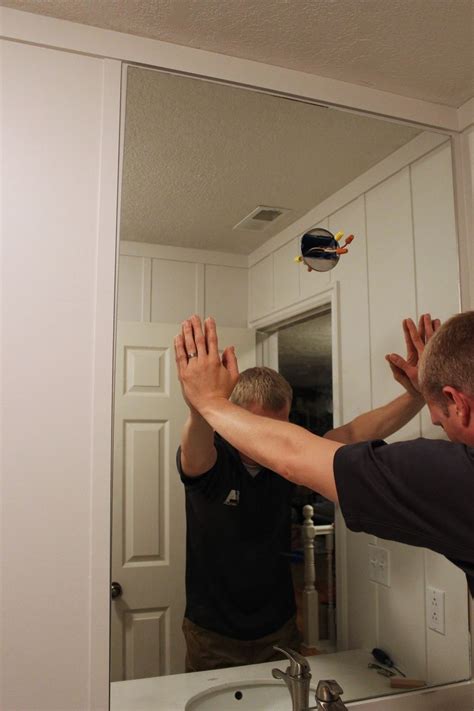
[318, 303]
[463, 175]
[326, 298]
[466, 115]
[101, 469]
[71, 36]
[182, 254]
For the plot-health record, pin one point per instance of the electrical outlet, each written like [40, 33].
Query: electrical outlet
[379, 565]
[435, 609]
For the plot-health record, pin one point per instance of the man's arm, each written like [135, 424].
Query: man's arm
[198, 453]
[289, 450]
[379, 423]
[385, 420]
[285, 448]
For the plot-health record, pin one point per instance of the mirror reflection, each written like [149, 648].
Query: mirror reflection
[215, 560]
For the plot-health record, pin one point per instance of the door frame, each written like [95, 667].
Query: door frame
[327, 300]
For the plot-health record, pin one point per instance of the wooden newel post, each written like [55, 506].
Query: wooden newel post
[310, 594]
[331, 595]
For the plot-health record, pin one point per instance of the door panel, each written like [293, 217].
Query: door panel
[149, 525]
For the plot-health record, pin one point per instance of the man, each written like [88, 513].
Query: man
[419, 492]
[240, 598]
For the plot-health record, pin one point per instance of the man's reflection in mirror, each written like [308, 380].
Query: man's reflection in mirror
[240, 599]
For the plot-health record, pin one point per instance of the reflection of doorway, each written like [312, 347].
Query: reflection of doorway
[302, 353]
[305, 360]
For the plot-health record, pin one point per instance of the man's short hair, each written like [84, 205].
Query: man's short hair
[264, 387]
[448, 359]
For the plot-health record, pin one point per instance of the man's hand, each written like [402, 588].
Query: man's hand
[405, 371]
[203, 375]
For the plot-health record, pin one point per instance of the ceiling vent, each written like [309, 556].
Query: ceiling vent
[261, 218]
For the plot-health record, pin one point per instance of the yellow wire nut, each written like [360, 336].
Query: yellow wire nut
[338, 236]
[298, 259]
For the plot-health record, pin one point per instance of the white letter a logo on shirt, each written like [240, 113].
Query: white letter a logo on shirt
[232, 498]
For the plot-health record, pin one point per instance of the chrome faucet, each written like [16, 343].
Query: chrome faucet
[297, 677]
[328, 696]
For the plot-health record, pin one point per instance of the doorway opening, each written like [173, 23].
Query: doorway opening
[302, 352]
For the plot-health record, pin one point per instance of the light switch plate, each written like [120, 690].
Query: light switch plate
[379, 565]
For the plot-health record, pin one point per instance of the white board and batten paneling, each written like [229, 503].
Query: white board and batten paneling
[355, 397]
[403, 262]
[391, 272]
[169, 284]
[437, 289]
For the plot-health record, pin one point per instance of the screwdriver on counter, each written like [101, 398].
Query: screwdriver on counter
[383, 658]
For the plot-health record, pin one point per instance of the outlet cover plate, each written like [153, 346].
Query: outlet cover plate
[435, 609]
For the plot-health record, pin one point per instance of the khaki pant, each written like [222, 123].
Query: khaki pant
[209, 650]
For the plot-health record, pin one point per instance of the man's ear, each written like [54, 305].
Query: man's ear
[462, 404]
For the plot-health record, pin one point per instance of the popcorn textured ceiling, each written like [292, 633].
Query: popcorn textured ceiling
[416, 48]
[200, 156]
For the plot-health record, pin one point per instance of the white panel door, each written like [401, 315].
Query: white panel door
[148, 530]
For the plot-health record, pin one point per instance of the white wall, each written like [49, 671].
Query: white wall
[403, 262]
[60, 147]
[169, 284]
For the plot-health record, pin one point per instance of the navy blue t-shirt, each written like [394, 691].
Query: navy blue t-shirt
[238, 544]
[419, 492]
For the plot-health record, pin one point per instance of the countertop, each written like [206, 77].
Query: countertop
[171, 693]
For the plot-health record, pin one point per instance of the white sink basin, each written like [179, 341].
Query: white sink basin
[254, 695]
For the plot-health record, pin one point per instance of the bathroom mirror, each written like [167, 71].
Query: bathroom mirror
[218, 185]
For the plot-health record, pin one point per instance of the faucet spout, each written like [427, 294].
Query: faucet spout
[296, 677]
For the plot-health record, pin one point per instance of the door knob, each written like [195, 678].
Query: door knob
[116, 590]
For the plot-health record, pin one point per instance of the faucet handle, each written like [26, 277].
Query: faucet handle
[299, 665]
[328, 690]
